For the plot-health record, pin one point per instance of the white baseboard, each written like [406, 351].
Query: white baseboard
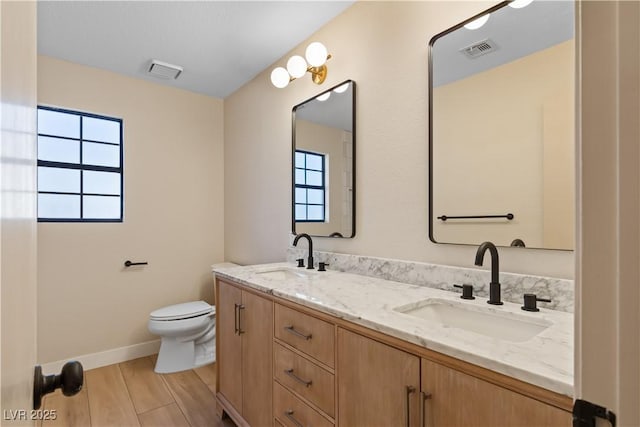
[104, 358]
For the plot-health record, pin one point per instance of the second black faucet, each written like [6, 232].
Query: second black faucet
[494, 286]
[310, 257]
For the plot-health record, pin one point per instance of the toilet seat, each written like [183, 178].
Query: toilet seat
[182, 311]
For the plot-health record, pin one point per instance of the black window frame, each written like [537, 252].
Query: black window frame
[84, 167]
[322, 187]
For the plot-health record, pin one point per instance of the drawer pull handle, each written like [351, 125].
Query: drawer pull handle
[292, 330]
[409, 390]
[297, 378]
[289, 414]
[423, 397]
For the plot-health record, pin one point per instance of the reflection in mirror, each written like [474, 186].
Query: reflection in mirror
[324, 163]
[502, 128]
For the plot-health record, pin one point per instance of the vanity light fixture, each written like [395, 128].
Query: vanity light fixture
[316, 56]
[324, 96]
[477, 23]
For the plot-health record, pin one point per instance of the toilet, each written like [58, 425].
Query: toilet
[188, 336]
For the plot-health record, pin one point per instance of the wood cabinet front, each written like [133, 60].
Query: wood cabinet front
[459, 399]
[378, 385]
[302, 376]
[306, 333]
[244, 335]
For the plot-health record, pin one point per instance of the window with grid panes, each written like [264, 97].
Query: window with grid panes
[310, 190]
[80, 174]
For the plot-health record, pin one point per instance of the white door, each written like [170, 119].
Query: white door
[18, 211]
[607, 348]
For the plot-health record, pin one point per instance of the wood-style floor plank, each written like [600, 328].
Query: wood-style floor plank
[207, 374]
[193, 397]
[69, 411]
[146, 388]
[165, 416]
[109, 401]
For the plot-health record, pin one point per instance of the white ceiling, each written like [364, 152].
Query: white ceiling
[220, 44]
[517, 33]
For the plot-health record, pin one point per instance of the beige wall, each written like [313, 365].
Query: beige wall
[173, 215]
[18, 208]
[383, 47]
[492, 136]
[329, 141]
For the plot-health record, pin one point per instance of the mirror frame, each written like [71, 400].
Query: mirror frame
[430, 132]
[353, 166]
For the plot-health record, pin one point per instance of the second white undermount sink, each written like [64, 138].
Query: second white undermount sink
[507, 326]
[283, 273]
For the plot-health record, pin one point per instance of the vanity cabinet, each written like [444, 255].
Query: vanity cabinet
[282, 364]
[244, 332]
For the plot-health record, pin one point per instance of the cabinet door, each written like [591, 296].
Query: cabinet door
[256, 323]
[458, 399]
[378, 385]
[229, 344]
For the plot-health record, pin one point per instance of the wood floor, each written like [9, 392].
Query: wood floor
[131, 394]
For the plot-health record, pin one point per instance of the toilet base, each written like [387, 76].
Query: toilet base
[176, 355]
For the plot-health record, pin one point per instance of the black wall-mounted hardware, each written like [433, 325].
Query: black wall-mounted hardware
[128, 263]
[322, 265]
[530, 302]
[508, 216]
[467, 291]
[300, 262]
[70, 380]
[585, 414]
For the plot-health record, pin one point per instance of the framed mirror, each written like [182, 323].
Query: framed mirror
[501, 127]
[323, 163]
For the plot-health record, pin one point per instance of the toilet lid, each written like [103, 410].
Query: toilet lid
[182, 311]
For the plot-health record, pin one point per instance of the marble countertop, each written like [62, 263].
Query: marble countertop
[545, 360]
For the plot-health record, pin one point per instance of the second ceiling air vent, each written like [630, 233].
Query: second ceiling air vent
[164, 70]
[479, 48]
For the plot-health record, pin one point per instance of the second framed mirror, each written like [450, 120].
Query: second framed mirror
[323, 163]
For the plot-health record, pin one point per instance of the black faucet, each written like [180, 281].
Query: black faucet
[494, 286]
[310, 258]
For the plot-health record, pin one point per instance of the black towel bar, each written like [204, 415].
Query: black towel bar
[508, 216]
[128, 263]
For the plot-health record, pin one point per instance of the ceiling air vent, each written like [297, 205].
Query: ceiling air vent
[479, 48]
[163, 70]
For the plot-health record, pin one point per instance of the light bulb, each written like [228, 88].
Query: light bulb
[316, 54]
[477, 23]
[324, 96]
[519, 4]
[341, 88]
[280, 77]
[297, 66]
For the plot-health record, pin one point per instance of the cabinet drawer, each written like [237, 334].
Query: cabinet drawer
[292, 412]
[312, 336]
[305, 378]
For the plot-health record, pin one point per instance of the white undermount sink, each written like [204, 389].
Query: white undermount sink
[282, 273]
[473, 317]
